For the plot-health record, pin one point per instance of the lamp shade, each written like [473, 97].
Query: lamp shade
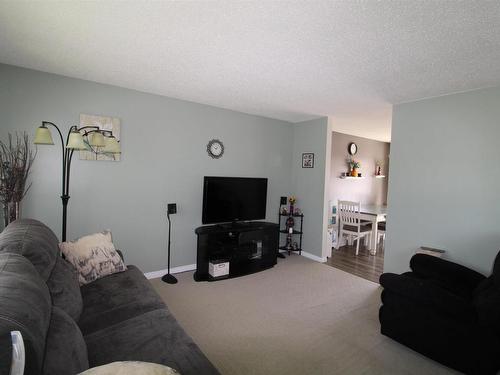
[75, 141]
[96, 139]
[43, 136]
[112, 146]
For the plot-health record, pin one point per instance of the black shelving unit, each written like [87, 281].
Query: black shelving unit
[295, 232]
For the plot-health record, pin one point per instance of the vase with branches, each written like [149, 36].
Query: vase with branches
[16, 160]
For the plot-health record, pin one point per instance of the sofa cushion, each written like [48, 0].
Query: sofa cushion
[116, 298]
[94, 256]
[154, 336]
[65, 289]
[65, 351]
[25, 306]
[5, 353]
[33, 240]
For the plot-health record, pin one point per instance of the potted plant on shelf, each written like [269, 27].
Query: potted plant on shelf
[16, 159]
[355, 165]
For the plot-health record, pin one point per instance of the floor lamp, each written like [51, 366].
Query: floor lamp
[89, 138]
[168, 278]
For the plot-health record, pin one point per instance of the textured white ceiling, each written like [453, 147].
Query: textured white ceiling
[288, 60]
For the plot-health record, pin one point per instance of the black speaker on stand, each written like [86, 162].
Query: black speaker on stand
[283, 201]
[168, 278]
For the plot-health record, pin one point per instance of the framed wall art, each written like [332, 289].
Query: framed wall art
[105, 123]
[308, 160]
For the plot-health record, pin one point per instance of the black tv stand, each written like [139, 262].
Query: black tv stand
[248, 247]
[232, 225]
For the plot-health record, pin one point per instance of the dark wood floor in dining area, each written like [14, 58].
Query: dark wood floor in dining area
[364, 265]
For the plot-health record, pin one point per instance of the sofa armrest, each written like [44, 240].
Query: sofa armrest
[120, 254]
[426, 293]
[452, 276]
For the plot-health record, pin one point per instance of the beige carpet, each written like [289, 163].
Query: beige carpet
[300, 317]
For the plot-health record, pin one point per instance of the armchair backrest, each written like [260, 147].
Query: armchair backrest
[25, 306]
[487, 299]
[33, 240]
[496, 271]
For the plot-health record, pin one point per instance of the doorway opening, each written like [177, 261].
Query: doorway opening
[359, 174]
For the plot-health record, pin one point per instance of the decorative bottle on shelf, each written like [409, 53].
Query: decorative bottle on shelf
[292, 201]
[290, 222]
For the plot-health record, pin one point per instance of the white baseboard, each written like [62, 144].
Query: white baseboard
[313, 257]
[192, 267]
[160, 273]
[309, 256]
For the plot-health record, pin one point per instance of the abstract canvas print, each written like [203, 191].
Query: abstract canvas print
[104, 123]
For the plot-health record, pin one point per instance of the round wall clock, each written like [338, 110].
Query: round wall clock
[215, 149]
[352, 148]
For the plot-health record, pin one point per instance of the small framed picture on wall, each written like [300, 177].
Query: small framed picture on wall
[308, 160]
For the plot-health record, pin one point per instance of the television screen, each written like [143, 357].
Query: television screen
[229, 199]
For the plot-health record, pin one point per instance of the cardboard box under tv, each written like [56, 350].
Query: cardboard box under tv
[247, 247]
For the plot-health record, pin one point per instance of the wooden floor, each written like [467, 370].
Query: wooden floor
[364, 265]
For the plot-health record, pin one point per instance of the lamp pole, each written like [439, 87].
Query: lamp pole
[67, 155]
[74, 141]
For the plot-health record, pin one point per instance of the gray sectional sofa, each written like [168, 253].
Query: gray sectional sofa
[68, 329]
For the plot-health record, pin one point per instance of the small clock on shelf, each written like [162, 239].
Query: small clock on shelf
[215, 149]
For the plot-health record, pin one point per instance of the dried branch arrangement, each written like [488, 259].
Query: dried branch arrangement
[16, 160]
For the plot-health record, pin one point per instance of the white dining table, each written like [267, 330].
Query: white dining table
[375, 214]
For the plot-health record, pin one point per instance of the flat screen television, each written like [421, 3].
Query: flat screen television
[231, 199]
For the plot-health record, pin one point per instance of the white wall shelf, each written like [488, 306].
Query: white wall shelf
[351, 178]
[379, 176]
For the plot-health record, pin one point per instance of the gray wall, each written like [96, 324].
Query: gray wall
[445, 179]
[164, 160]
[309, 183]
[368, 190]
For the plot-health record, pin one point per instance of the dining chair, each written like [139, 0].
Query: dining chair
[381, 232]
[350, 223]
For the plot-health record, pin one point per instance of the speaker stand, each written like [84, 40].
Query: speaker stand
[168, 278]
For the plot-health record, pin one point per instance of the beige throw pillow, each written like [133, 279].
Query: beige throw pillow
[94, 256]
[131, 368]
